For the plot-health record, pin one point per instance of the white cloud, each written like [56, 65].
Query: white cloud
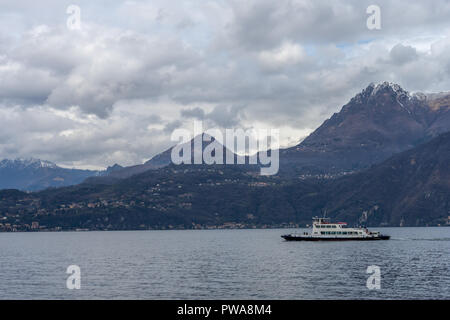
[286, 55]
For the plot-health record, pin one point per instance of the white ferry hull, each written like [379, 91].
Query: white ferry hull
[290, 237]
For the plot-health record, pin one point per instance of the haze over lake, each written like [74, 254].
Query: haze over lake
[223, 264]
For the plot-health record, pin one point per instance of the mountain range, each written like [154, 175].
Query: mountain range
[35, 174]
[380, 121]
[382, 160]
[377, 123]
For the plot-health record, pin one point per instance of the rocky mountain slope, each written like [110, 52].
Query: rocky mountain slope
[162, 160]
[380, 121]
[411, 188]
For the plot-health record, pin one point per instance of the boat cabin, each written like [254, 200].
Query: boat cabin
[323, 227]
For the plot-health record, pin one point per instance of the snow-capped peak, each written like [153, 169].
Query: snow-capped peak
[27, 162]
[393, 86]
[373, 89]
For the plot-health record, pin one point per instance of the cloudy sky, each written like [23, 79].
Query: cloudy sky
[113, 90]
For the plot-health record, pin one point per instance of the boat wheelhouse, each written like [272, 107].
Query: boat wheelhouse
[323, 230]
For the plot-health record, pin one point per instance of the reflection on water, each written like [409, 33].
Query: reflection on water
[223, 264]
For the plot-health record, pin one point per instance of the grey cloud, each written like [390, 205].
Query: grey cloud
[401, 54]
[222, 115]
[72, 139]
[171, 126]
[263, 24]
[92, 70]
[225, 116]
[196, 113]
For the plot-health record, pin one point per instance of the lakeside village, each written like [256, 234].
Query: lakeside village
[22, 212]
[28, 212]
[36, 227]
[13, 223]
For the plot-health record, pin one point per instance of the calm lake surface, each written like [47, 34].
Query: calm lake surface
[223, 264]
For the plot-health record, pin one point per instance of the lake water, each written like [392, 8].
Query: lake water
[223, 264]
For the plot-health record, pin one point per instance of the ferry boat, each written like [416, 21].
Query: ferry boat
[324, 230]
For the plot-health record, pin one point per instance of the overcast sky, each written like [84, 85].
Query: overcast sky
[113, 91]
